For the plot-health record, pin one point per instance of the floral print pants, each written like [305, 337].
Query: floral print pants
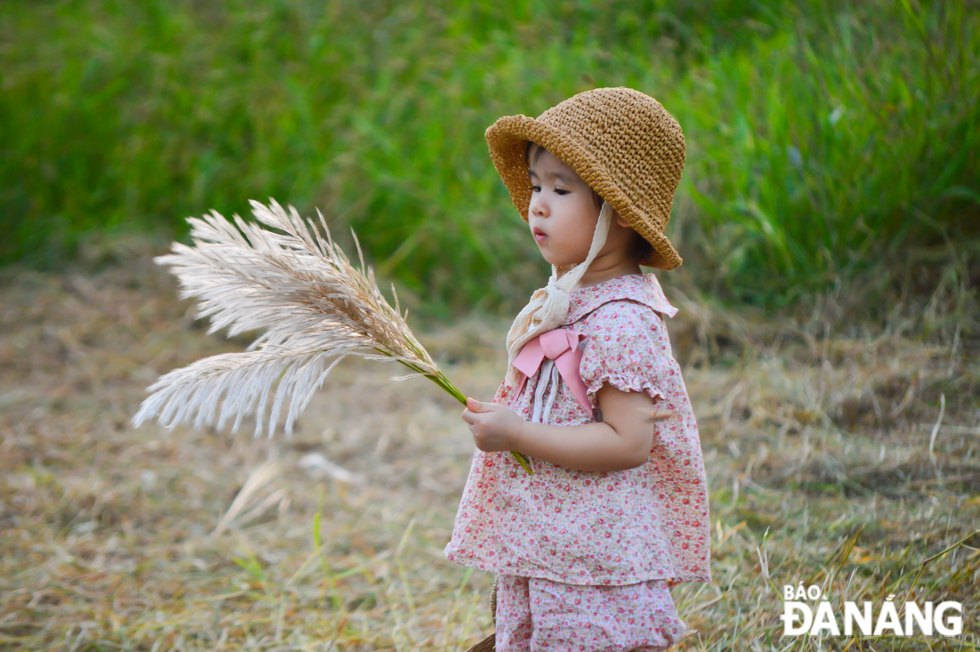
[537, 615]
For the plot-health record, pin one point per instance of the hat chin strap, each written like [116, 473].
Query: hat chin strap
[548, 306]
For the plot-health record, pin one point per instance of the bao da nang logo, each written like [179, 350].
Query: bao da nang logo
[807, 611]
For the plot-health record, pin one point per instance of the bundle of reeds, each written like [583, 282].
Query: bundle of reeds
[314, 306]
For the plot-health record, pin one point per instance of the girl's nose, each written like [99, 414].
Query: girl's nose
[538, 206]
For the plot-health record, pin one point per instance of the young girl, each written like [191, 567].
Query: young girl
[616, 510]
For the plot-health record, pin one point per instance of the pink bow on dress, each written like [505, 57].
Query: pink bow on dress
[560, 345]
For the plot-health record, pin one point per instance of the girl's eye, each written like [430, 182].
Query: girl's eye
[561, 191]
[535, 188]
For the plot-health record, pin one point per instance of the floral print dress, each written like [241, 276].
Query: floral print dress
[603, 529]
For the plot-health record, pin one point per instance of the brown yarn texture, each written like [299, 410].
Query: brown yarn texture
[622, 143]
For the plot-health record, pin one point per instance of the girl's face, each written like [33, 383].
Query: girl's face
[562, 214]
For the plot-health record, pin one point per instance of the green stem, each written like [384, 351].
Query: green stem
[523, 461]
[440, 379]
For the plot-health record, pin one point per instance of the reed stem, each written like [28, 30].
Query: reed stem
[447, 385]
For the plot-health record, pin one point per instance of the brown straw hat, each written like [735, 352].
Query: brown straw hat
[621, 142]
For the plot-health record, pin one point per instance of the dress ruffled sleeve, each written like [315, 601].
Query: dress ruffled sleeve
[628, 348]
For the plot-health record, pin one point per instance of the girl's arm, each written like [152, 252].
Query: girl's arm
[621, 441]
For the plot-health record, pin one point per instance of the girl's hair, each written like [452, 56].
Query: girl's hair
[640, 249]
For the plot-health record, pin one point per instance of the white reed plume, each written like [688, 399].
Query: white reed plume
[313, 305]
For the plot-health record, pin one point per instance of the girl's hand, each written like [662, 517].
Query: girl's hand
[494, 427]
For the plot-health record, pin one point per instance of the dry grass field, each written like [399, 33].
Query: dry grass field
[852, 463]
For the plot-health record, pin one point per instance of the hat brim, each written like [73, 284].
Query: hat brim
[508, 138]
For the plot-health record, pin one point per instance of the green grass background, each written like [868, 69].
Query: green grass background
[823, 136]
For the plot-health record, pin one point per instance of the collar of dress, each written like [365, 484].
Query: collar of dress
[641, 288]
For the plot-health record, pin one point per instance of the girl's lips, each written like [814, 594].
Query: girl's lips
[539, 235]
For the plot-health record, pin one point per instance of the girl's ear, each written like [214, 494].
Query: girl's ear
[620, 220]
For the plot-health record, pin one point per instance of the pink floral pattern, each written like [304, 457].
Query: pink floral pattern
[601, 529]
[541, 615]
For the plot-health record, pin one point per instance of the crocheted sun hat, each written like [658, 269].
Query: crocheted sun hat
[622, 143]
